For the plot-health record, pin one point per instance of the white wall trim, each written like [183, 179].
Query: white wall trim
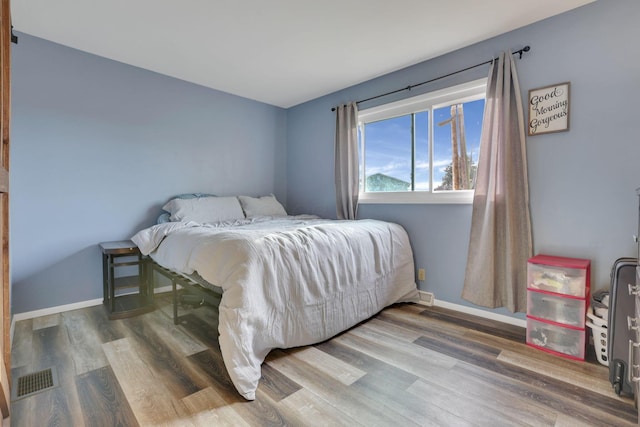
[90, 303]
[62, 308]
[68, 307]
[55, 310]
[51, 310]
[481, 313]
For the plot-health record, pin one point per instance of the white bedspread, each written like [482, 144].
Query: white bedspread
[287, 282]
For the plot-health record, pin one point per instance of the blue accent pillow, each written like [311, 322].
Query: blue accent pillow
[164, 217]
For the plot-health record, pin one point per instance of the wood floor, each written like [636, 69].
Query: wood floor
[408, 366]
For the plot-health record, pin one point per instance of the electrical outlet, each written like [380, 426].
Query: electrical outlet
[421, 274]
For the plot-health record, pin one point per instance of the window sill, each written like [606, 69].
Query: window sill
[440, 197]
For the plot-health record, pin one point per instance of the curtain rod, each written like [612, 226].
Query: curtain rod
[518, 52]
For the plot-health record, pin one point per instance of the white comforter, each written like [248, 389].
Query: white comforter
[287, 282]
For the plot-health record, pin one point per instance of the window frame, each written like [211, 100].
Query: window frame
[430, 101]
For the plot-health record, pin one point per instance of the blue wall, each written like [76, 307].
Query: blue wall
[99, 146]
[582, 182]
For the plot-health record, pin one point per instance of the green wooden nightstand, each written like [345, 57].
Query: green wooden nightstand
[125, 295]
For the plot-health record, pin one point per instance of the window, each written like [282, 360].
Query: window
[422, 149]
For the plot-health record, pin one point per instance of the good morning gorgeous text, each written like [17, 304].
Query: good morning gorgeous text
[547, 108]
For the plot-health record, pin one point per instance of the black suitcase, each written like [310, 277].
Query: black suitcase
[621, 305]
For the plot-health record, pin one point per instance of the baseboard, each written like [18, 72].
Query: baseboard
[51, 310]
[426, 298]
[55, 310]
[62, 308]
[68, 307]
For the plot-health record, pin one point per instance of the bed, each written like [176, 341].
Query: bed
[286, 281]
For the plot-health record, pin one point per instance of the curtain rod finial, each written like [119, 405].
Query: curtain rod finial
[527, 48]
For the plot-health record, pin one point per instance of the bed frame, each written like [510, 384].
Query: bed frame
[189, 285]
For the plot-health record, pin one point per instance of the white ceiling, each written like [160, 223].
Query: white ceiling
[281, 52]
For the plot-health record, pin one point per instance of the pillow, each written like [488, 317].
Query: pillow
[166, 217]
[204, 209]
[261, 206]
[163, 217]
[193, 195]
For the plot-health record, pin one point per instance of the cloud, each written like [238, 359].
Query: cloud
[441, 164]
[422, 165]
[394, 169]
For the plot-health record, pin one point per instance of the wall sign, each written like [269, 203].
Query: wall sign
[549, 109]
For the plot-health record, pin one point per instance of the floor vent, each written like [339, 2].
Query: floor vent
[31, 384]
[426, 298]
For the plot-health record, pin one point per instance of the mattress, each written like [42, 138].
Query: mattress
[288, 281]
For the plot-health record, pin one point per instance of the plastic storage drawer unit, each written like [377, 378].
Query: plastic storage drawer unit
[566, 342]
[557, 295]
[557, 279]
[546, 306]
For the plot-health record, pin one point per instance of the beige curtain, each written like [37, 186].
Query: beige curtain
[500, 242]
[346, 158]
